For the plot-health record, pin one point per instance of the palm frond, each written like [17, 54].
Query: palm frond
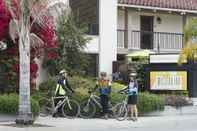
[40, 10]
[190, 45]
[13, 29]
[35, 41]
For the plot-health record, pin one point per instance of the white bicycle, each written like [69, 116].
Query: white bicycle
[69, 108]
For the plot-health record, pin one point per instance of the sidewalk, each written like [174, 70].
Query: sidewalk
[159, 121]
[7, 118]
[168, 111]
[164, 123]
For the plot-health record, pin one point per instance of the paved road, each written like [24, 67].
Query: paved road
[165, 123]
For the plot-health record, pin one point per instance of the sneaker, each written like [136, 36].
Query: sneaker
[105, 117]
[129, 119]
[55, 115]
[135, 119]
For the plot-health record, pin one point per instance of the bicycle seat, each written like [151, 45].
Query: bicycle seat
[89, 92]
[122, 93]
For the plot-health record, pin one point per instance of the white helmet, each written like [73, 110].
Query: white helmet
[133, 74]
[62, 72]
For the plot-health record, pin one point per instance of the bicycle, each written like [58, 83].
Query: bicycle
[69, 108]
[88, 107]
[120, 110]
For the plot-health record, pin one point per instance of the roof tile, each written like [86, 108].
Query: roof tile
[172, 4]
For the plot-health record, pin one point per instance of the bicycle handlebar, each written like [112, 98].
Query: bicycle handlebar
[59, 97]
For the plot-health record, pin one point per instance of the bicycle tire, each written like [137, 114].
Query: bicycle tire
[87, 110]
[45, 107]
[73, 112]
[120, 112]
[44, 112]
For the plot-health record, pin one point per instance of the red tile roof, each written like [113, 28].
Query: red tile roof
[172, 4]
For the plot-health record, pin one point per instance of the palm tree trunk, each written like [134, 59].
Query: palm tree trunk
[25, 114]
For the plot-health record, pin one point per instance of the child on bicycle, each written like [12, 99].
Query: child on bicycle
[62, 88]
[132, 91]
[104, 86]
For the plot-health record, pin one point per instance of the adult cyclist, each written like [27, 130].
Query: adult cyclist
[62, 88]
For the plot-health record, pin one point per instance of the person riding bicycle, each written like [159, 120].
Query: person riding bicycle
[132, 91]
[104, 86]
[62, 88]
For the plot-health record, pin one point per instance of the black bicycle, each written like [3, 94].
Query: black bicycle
[88, 106]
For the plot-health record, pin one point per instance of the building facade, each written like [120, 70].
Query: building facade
[119, 27]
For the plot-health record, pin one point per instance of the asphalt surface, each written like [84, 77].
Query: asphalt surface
[162, 123]
[170, 120]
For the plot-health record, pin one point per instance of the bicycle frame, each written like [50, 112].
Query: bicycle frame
[125, 101]
[94, 98]
[60, 103]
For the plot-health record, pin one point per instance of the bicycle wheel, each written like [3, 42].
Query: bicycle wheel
[87, 109]
[120, 112]
[71, 109]
[45, 107]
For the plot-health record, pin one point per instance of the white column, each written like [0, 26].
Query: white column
[108, 34]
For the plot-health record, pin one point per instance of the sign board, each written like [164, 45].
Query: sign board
[164, 58]
[168, 80]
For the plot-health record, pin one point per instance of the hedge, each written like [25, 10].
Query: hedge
[146, 102]
[9, 104]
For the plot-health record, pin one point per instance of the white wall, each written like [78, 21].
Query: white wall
[171, 23]
[121, 19]
[108, 34]
[93, 45]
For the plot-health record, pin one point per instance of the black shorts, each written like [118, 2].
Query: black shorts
[132, 100]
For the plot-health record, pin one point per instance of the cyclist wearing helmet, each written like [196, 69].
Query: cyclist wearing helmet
[104, 86]
[132, 91]
[62, 88]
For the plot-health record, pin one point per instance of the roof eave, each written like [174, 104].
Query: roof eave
[158, 8]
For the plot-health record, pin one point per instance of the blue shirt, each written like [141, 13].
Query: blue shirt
[132, 88]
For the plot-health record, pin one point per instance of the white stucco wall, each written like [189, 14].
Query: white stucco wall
[108, 34]
[93, 45]
[120, 19]
[171, 23]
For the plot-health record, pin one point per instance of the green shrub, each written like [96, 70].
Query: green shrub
[9, 104]
[150, 102]
[177, 100]
[81, 82]
[35, 107]
[146, 102]
[48, 87]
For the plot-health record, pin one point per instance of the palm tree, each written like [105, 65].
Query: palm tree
[189, 52]
[20, 27]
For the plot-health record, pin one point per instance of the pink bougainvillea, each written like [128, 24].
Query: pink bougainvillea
[4, 20]
[46, 33]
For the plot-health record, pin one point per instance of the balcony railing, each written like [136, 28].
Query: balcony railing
[161, 41]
